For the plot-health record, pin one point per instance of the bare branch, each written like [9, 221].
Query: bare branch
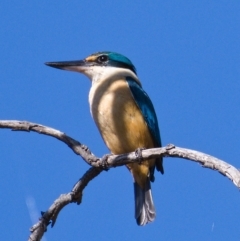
[170, 150]
[118, 160]
[76, 146]
[108, 161]
[50, 216]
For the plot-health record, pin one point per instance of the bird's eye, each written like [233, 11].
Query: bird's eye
[102, 59]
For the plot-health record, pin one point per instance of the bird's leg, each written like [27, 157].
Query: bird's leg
[104, 162]
[138, 153]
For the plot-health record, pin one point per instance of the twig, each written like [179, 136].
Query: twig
[76, 146]
[50, 216]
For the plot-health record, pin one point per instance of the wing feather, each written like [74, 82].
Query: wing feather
[145, 105]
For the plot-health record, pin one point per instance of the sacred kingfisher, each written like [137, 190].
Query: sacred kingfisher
[125, 117]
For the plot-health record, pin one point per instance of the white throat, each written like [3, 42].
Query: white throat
[104, 76]
[98, 74]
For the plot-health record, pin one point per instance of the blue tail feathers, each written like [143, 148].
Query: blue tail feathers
[144, 207]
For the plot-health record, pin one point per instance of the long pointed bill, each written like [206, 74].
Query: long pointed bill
[77, 65]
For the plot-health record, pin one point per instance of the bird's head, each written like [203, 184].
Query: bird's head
[98, 65]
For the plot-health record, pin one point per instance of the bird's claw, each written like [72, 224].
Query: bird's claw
[170, 146]
[104, 162]
[138, 153]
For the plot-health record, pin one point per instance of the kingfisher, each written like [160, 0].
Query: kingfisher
[125, 117]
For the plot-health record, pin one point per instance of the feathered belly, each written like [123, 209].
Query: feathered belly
[119, 119]
[121, 123]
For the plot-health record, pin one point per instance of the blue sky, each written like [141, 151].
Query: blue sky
[187, 56]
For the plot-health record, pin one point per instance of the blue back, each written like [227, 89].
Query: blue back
[145, 105]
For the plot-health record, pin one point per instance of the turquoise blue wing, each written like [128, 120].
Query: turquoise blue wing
[145, 105]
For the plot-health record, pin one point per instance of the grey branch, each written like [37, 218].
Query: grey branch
[50, 216]
[106, 162]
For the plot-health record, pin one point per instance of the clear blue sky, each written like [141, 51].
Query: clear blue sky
[187, 56]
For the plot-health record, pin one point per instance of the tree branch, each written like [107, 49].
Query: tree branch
[108, 161]
[76, 146]
[50, 216]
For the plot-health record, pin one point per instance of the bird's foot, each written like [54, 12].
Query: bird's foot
[170, 146]
[138, 153]
[104, 162]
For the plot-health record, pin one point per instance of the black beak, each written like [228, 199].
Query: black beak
[68, 65]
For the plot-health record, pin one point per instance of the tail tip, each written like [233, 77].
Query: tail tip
[143, 221]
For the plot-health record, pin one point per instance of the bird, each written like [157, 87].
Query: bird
[125, 117]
